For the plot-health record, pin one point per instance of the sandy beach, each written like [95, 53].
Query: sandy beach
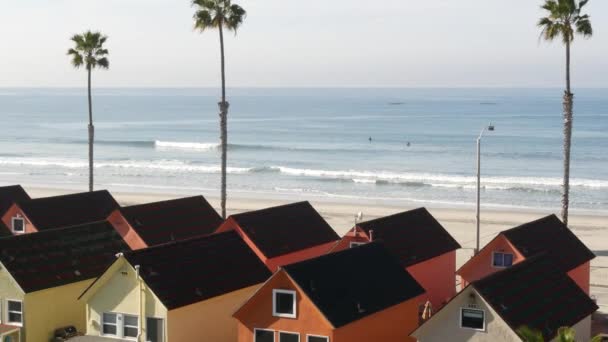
[460, 222]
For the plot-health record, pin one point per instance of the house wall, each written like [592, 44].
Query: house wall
[480, 265]
[9, 289]
[119, 293]
[445, 324]
[581, 276]
[209, 320]
[13, 211]
[349, 237]
[257, 313]
[437, 277]
[125, 230]
[50, 309]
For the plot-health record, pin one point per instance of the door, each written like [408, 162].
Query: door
[154, 329]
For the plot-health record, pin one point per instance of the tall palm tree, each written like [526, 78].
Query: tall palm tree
[220, 14]
[88, 51]
[565, 20]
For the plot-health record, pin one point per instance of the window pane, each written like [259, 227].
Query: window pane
[288, 337]
[498, 259]
[284, 303]
[14, 317]
[18, 225]
[130, 332]
[154, 330]
[317, 339]
[131, 321]
[508, 260]
[472, 318]
[109, 318]
[14, 306]
[109, 329]
[264, 336]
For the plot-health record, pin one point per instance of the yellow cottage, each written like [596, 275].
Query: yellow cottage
[180, 291]
[42, 274]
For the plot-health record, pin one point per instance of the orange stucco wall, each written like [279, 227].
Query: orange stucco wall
[126, 231]
[349, 237]
[480, 265]
[437, 277]
[13, 211]
[581, 275]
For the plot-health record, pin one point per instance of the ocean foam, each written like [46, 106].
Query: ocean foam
[185, 145]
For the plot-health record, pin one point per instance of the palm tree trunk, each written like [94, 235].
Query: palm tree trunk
[568, 108]
[223, 124]
[91, 134]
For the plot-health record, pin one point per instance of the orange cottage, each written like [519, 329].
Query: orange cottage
[548, 236]
[9, 195]
[424, 248]
[360, 294]
[285, 234]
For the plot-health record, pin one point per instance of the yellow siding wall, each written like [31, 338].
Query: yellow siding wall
[209, 320]
[119, 293]
[8, 290]
[47, 310]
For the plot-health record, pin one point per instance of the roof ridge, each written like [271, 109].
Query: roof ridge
[43, 232]
[82, 193]
[532, 223]
[293, 204]
[162, 201]
[395, 214]
[181, 242]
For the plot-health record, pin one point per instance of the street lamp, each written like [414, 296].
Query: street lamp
[489, 128]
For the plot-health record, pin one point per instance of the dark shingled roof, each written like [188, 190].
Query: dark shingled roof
[69, 210]
[352, 284]
[4, 230]
[11, 194]
[167, 221]
[537, 294]
[413, 236]
[189, 271]
[285, 229]
[549, 235]
[60, 256]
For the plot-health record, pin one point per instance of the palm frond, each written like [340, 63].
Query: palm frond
[236, 15]
[530, 335]
[103, 63]
[203, 20]
[583, 26]
[566, 334]
[88, 48]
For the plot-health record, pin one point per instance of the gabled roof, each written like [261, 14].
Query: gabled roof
[189, 271]
[167, 221]
[4, 230]
[550, 235]
[285, 229]
[60, 256]
[349, 285]
[69, 210]
[11, 194]
[537, 294]
[413, 236]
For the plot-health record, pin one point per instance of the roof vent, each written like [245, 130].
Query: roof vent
[198, 292]
[77, 273]
[118, 255]
[360, 309]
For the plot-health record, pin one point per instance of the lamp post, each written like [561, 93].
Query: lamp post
[489, 128]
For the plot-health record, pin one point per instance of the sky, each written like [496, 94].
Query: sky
[296, 43]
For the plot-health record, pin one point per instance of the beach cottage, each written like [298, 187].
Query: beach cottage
[547, 235]
[42, 275]
[285, 234]
[422, 245]
[534, 293]
[8, 196]
[166, 221]
[181, 291]
[360, 294]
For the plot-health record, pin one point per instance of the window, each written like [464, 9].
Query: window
[110, 324]
[472, 319]
[284, 303]
[289, 337]
[14, 312]
[154, 329]
[314, 338]
[130, 326]
[18, 224]
[120, 325]
[356, 244]
[261, 335]
[502, 259]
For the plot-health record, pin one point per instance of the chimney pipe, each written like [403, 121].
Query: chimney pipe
[371, 235]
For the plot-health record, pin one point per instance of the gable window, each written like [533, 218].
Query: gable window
[501, 260]
[18, 224]
[14, 312]
[116, 324]
[110, 324]
[130, 326]
[289, 337]
[284, 303]
[356, 244]
[472, 319]
[262, 335]
[315, 338]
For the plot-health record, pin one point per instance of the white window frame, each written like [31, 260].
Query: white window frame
[274, 335]
[13, 219]
[308, 336]
[473, 309]
[8, 312]
[503, 259]
[120, 326]
[114, 324]
[274, 303]
[288, 332]
[129, 326]
[356, 244]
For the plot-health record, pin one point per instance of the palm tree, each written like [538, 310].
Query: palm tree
[564, 20]
[220, 14]
[90, 53]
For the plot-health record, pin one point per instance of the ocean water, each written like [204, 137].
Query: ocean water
[314, 143]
